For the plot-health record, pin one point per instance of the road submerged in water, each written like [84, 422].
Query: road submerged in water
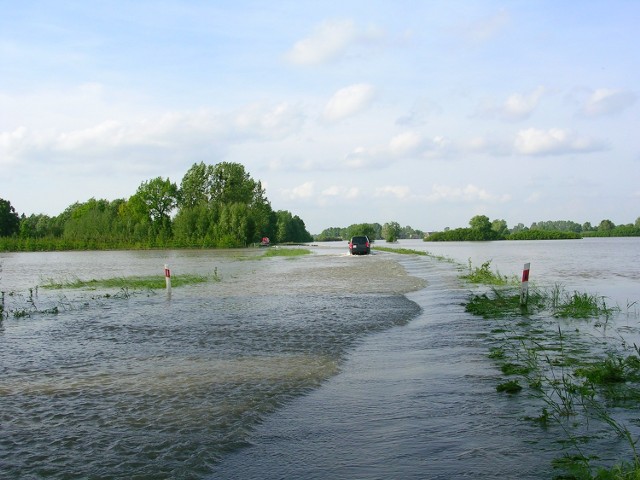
[323, 366]
[415, 401]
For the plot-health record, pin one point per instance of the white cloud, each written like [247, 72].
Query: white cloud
[171, 135]
[520, 106]
[11, 145]
[517, 106]
[268, 120]
[348, 101]
[397, 191]
[361, 157]
[341, 192]
[328, 41]
[468, 194]
[554, 141]
[606, 102]
[305, 190]
[405, 143]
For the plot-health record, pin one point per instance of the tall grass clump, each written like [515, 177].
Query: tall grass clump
[484, 275]
[585, 380]
[151, 282]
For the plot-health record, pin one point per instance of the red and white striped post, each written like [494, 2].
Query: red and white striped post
[524, 286]
[167, 277]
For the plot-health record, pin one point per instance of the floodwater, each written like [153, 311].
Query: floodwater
[322, 366]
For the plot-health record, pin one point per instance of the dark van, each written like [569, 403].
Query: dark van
[359, 245]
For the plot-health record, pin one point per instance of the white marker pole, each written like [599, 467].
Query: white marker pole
[167, 277]
[524, 288]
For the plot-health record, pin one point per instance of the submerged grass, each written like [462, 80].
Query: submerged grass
[580, 378]
[505, 302]
[136, 282]
[483, 274]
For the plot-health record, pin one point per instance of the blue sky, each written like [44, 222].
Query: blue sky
[421, 112]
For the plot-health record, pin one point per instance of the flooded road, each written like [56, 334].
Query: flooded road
[152, 386]
[415, 401]
[323, 366]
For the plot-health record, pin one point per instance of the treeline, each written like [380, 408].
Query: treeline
[390, 232]
[482, 229]
[214, 206]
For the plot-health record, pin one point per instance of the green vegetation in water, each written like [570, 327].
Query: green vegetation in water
[496, 305]
[580, 380]
[582, 305]
[285, 252]
[511, 386]
[500, 303]
[484, 275]
[543, 235]
[135, 283]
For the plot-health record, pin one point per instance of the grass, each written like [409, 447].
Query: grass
[505, 302]
[484, 275]
[511, 386]
[583, 381]
[151, 282]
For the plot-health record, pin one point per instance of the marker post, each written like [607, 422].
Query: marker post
[524, 286]
[167, 278]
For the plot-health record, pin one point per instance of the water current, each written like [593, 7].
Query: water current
[323, 366]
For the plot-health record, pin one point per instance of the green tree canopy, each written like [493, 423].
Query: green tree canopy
[391, 231]
[606, 225]
[481, 223]
[156, 199]
[368, 229]
[195, 187]
[9, 219]
[500, 227]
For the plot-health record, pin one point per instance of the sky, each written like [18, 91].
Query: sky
[424, 113]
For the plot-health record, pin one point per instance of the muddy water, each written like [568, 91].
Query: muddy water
[415, 402]
[152, 386]
[326, 366]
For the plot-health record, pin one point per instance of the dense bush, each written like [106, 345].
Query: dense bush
[215, 206]
[542, 235]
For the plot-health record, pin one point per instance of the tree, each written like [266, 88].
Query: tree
[391, 231]
[230, 183]
[156, 198]
[40, 226]
[290, 228]
[606, 225]
[195, 187]
[9, 219]
[480, 223]
[368, 229]
[500, 227]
